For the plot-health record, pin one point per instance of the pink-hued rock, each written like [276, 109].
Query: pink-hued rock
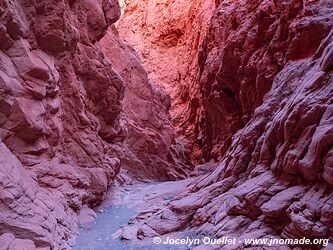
[60, 126]
[275, 180]
[248, 43]
[86, 216]
[167, 35]
[151, 150]
[62, 121]
[59, 117]
[8, 241]
[256, 94]
[29, 211]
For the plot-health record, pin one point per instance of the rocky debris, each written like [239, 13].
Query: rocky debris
[87, 215]
[61, 122]
[144, 199]
[167, 36]
[152, 152]
[114, 228]
[275, 178]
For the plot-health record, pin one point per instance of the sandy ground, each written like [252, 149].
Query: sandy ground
[121, 204]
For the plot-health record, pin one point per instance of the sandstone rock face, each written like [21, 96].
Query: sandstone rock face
[275, 180]
[60, 117]
[8, 241]
[151, 150]
[62, 128]
[248, 43]
[32, 216]
[167, 36]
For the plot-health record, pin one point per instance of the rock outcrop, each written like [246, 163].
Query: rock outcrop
[167, 36]
[275, 180]
[62, 128]
[152, 151]
[248, 43]
[59, 117]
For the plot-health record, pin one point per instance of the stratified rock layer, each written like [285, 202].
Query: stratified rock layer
[275, 180]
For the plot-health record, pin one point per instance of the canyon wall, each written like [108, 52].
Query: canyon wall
[167, 36]
[59, 118]
[62, 129]
[275, 178]
[255, 92]
[246, 46]
[152, 150]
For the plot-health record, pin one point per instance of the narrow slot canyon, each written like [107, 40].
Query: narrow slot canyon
[167, 36]
[166, 124]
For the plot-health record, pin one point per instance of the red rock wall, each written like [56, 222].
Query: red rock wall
[167, 36]
[62, 128]
[248, 43]
[59, 117]
[275, 180]
[152, 152]
[265, 71]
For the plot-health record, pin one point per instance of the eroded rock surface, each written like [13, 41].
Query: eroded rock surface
[248, 43]
[257, 95]
[152, 150]
[61, 122]
[275, 180]
[59, 117]
[167, 36]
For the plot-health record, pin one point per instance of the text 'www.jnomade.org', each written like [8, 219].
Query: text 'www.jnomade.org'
[233, 241]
